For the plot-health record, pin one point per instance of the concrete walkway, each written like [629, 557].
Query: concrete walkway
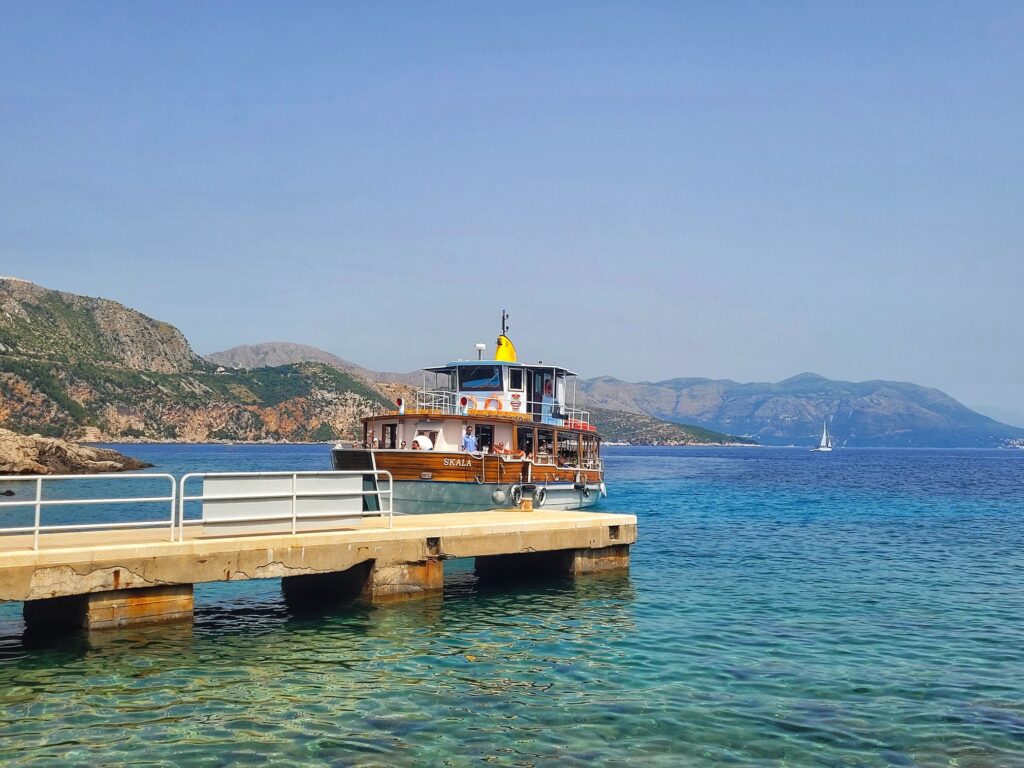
[401, 561]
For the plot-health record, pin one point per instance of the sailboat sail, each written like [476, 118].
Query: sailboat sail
[826, 442]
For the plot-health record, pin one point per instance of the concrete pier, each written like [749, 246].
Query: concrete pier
[116, 578]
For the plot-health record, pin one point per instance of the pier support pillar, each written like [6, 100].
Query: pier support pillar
[317, 589]
[559, 562]
[116, 608]
[368, 582]
[403, 581]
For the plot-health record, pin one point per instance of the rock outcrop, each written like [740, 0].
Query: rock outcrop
[37, 455]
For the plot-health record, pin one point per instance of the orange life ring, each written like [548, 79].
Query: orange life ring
[471, 403]
[492, 399]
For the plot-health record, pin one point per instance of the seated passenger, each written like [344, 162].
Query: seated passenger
[422, 443]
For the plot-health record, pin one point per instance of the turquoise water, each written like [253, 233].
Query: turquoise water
[783, 608]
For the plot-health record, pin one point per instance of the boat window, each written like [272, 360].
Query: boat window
[515, 379]
[568, 449]
[546, 446]
[484, 436]
[591, 451]
[524, 440]
[390, 435]
[431, 435]
[480, 378]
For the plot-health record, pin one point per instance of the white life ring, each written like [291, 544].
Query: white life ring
[541, 496]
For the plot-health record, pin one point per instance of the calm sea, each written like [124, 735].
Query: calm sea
[783, 608]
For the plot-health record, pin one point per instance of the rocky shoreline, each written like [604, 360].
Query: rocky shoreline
[38, 455]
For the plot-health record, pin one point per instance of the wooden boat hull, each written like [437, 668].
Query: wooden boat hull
[426, 482]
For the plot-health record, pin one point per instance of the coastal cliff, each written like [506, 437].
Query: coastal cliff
[56, 326]
[78, 367]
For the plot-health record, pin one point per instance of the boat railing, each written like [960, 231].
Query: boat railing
[446, 402]
[442, 401]
[240, 503]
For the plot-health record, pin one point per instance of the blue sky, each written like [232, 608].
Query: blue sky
[741, 190]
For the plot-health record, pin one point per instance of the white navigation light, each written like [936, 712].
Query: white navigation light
[480, 351]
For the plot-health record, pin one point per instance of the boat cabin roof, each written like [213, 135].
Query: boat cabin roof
[537, 366]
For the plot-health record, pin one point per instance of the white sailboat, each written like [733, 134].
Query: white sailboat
[826, 439]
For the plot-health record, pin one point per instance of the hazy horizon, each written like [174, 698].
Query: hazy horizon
[743, 192]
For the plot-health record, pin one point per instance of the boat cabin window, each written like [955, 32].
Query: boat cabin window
[444, 379]
[546, 446]
[515, 379]
[480, 378]
[524, 440]
[390, 436]
[591, 452]
[484, 437]
[568, 449]
[431, 435]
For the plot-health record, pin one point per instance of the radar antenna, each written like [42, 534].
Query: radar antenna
[504, 322]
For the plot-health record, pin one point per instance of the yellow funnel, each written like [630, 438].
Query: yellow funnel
[506, 350]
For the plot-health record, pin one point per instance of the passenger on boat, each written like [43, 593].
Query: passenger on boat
[403, 445]
[469, 441]
[422, 443]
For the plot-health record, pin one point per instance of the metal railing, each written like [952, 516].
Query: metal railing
[442, 401]
[295, 498]
[39, 503]
[447, 402]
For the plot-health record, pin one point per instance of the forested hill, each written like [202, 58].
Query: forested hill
[94, 369]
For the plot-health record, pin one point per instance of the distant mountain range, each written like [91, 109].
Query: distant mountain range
[269, 354]
[93, 369]
[615, 425]
[791, 412]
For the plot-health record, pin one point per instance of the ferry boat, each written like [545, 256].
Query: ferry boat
[530, 445]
